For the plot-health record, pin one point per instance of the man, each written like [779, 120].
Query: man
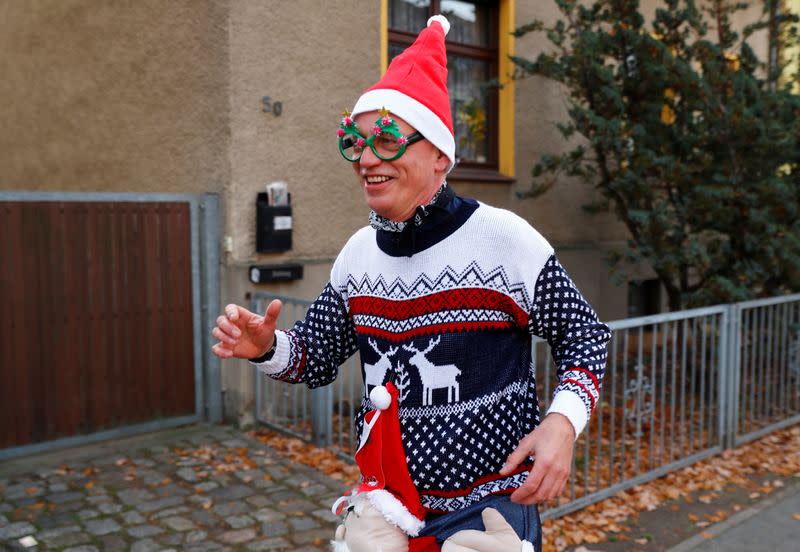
[440, 294]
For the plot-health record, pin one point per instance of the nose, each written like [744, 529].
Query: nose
[368, 158]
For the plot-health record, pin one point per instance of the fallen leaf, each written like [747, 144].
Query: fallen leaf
[692, 517]
[32, 490]
[89, 485]
[796, 516]
[706, 535]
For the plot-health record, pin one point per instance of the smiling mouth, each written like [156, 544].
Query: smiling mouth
[377, 179]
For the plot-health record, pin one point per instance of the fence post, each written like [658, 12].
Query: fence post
[322, 416]
[729, 375]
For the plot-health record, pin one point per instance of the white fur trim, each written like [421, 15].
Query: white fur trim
[380, 397]
[280, 359]
[340, 546]
[527, 546]
[414, 113]
[442, 21]
[392, 509]
[570, 405]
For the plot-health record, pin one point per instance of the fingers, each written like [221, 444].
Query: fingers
[229, 328]
[273, 311]
[221, 351]
[545, 482]
[223, 337]
[519, 455]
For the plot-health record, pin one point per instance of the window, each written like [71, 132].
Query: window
[473, 54]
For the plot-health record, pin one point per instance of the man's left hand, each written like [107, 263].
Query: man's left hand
[550, 445]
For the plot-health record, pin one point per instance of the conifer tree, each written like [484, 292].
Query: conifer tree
[689, 137]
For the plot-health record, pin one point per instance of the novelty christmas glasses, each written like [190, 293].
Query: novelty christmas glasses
[385, 140]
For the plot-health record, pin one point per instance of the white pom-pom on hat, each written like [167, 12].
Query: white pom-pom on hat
[442, 21]
[380, 397]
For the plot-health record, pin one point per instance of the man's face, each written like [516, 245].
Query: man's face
[393, 189]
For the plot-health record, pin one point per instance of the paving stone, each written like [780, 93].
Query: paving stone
[196, 536]
[110, 508]
[177, 523]
[102, 526]
[204, 517]
[325, 514]
[259, 501]
[63, 498]
[143, 531]
[132, 518]
[230, 508]
[203, 547]
[56, 532]
[16, 530]
[266, 515]
[133, 497]
[238, 536]
[101, 498]
[3, 520]
[239, 522]
[187, 474]
[303, 523]
[113, 542]
[314, 490]
[298, 506]
[154, 478]
[172, 539]
[274, 528]
[159, 504]
[145, 545]
[88, 514]
[82, 548]
[269, 544]
[172, 490]
[206, 486]
[232, 492]
[57, 487]
[249, 475]
[145, 462]
[305, 537]
[68, 539]
[5, 507]
[16, 491]
[171, 512]
[202, 501]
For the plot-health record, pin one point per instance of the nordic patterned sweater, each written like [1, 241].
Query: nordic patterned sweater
[445, 309]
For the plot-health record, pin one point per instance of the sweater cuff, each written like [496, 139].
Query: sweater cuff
[280, 356]
[570, 405]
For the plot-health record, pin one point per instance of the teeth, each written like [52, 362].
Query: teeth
[377, 179]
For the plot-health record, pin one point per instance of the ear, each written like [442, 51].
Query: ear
[442, 162]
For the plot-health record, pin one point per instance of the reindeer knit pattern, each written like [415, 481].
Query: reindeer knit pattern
[449, 321]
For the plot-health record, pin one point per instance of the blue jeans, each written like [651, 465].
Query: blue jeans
[524, 520]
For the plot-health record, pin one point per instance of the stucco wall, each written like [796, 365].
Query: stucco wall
[316, 64]
[102, 96]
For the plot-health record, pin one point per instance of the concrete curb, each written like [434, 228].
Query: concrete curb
[740, 517]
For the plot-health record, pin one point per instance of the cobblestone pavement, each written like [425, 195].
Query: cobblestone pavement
[198, 488]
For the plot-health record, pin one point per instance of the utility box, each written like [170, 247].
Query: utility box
[273, 226]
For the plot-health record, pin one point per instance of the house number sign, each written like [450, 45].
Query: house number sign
[269, 106]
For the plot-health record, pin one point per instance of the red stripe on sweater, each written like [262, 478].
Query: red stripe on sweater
[451, 299]
[485, 479]
[582, 386]
[592, 376]
[433, 329]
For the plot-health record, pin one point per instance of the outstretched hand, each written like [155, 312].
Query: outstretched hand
[550, 445]
[244, 334]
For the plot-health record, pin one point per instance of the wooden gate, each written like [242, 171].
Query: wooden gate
[96, 317]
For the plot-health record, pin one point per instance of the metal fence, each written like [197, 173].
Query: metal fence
[679, 387]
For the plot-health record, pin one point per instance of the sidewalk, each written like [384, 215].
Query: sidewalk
[198, 488]
[770, 526]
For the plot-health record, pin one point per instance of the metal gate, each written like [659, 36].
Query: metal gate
[101, 325]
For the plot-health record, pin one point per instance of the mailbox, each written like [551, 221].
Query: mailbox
[273, 226]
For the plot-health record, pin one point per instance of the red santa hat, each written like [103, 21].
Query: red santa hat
[415, 88]
[381, 457]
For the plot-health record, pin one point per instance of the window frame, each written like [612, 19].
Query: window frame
[488, 170]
